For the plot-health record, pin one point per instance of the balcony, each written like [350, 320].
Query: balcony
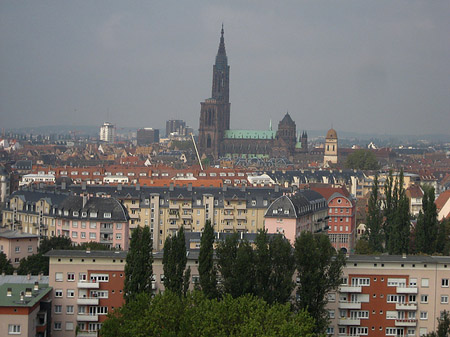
[349, 305]
[228, 206]
[87, 301]
[87, 318]
[406, 306]
[349, 321]
[407, 290]
[172, 206]
[174, 216]
[134, 206]
[186, 206]
[405, 322]
[350, 289]
[88, 285]
[133, 216]
[242, 206]
[228, 216]
[186, 216]
[228, 227]
[241, 217]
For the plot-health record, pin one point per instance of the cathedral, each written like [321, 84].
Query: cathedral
[216, 140]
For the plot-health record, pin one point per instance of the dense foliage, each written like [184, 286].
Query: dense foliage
[168, 315]
[426, 232]
[443, 329]
[373, 233]
[176, 276]
[362, 160]
[138, 268]
[5, 264]
[206, 268]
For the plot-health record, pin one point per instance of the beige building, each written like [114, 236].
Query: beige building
[331, 148]
[17, 245]
[87, 285]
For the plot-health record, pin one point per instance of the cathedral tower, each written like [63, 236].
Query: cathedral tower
[331, 148]
[215, 111]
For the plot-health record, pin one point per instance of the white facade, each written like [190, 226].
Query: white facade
[108, 132]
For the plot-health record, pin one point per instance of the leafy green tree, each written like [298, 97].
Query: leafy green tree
[426, 233]
[174, 262]
[399, 233]
[138, 267]
[319, 270]
[168, 314]
[55, 242]
[34, 264]
[92, 245]
[442, 242]
[5, 264]
[206, 269]
[443, 329]
[236, 266]
[362, 160]
[274, 268]
[389, 209]
[374, 221]
[362, 247]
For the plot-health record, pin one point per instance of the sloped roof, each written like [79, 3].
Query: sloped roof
[442, 199]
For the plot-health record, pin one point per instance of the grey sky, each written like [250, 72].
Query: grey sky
[366, 66]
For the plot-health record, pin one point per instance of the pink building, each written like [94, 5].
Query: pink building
[103, 220]
[17, 246]
[292, 214]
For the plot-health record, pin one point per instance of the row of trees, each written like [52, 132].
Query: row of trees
[388, 222]
[237, 268]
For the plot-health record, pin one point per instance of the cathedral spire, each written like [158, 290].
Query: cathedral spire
[221, 58]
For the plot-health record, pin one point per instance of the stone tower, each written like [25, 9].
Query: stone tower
[215, 111]
[287, 134]
[304, 141]
[331, 148]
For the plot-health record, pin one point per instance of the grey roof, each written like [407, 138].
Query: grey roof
[97, 205]
[8, 234]
[398, 258]
[292, 206]
[24, 279]
[83, 253]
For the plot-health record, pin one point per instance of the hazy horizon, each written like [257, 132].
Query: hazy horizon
[377, 67]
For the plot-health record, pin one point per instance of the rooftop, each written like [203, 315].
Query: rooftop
[83, 253]
[14, 300]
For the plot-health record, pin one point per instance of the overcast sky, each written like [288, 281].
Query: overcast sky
[366, 66]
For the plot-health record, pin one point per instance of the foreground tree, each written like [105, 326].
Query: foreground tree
[55, 242]
[5, 264]
[443, 329]
[174, 263]
[206, 269]
[373, 233]
[138, 268]
[168, 314]
[34, 265]
[319, 270]
[426, 233]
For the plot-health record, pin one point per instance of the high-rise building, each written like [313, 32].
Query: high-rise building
[147, 136]
[108, 132]
[174, 125]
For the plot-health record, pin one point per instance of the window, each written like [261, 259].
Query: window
[107, 215]
[424, 315]
[83, 235]
[118, 236]
[57, 326]
[70, 293]
[445, 282]
[331, 314]
[58, 277]
[30, 249]
[14, 329]
[331, 297]
[17, 249]
[391, 331]
[444, 299]
[330, 330]
[70, 276]
[58, 293]
[58, 309]
[92, 224]
[118, 226]
[69, 326]
[75, 234]
[75, 223]
[425, 282]
[423, 298]
[69, 309]
[92, 236]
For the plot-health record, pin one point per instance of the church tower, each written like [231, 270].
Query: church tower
[331, 148]
[215, 111]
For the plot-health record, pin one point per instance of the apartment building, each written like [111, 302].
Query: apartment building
[290, 215]
[25, 306]
[87, 285]
[17, 246]
[390, 296]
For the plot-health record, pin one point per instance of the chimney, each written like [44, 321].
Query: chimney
[171, 187]
[138, 187]
[189, 188]
[88, 250]
[21, 296]
[15, 273]
[40, 276]
[404, 255]
[83, 186]
[277, 188]
[36, 286]
[28, 276]
[119, 187]
[63, 185]
[9, 292]
[224, 187]
[28, 292]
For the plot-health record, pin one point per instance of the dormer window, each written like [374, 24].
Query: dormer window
[66, 213]
[274, 211]
[107, 215]
[75, 213]
[286, 211]
[93, 214]
[84, 214]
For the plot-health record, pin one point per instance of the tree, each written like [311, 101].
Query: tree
[174, 262]
[319, 270]
[399, 233]
[5, 264]
[362, 247]
[168, 314]
[443, 329]
[442, 242]
[362, 160]
[206, 269]
[235, 262]
[389, 211]
[426, 233]
[34, 265]
[55, 242]
[374, 221]
[138, 267]
[92, 245]
[274, 267]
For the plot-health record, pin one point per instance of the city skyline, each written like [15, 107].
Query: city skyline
[364, 67]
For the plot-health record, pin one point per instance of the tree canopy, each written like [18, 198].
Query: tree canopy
[206, 268]
[169, 315]
[5, 264]
[174, 263]
[362, 160]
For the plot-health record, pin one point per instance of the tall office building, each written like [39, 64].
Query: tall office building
[147, 136]
[174, 125]
[108, 132]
